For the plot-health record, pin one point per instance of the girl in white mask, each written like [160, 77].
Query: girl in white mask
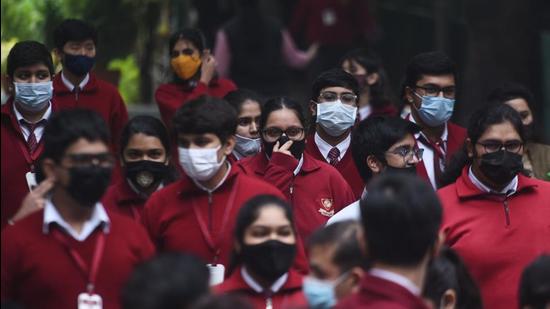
[247, 103]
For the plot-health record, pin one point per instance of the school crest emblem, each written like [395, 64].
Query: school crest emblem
[327, 208]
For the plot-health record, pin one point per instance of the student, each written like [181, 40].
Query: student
[315, 189]
[380, 145]
[77, 86]
[194, 71]
[24, 116]
[264, 249]
[449, 285]
[248, 105]
[196, 214]
[536, 157]
[72, 252]
[333, 104]
[145, 161]
[429, 88]
[400, 217]
[169, 281]
[367, 69]
[534, 290]
[493, 208]
[336, 263]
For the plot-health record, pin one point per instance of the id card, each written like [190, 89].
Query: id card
[217, 273]
[89, 301]
[31, 180]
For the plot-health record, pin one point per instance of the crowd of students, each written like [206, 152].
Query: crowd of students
[235, 200]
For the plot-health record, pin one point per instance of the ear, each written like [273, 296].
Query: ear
[373, 78]
[229, 145]
[374, 165]
[469, 147]
[356, 274]
[58, 54]
[409, 96]
[448, 299]
[313, 107]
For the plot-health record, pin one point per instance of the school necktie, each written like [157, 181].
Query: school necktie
[32, 143]
[439, 156]
[333, 156]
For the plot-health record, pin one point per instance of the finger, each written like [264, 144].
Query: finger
[40, 203]
[44, 187]
[286, 146]
[276, 146]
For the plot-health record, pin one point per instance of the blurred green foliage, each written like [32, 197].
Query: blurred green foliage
[129, 78]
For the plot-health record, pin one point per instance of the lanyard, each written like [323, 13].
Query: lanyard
[90, 273]
[214, 244]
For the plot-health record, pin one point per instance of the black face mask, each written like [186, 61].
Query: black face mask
[409, 170]
[501, 166]
[87, 184]
[145, 174]
[297, 148]
[270, 259]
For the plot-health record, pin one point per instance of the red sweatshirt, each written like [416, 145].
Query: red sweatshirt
[15, 162]
[375, 293]
[497, 237]
[120, 198]
[171, 96]
[38, 271]
[171, 216]
[346, 166]
[289, 296]
[316, 193]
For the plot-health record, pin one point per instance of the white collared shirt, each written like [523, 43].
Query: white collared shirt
[70, 85]
[428, 155]
[509, 189]
[350, 212]
[364, 112]
[99, 217]
[395, 278]
[275, 287]
[299, 167]
[39, 130]
[325, 147]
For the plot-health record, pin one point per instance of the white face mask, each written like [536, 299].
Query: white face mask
[335, 117]
[200, 164]
[247, 146]
[33, 96]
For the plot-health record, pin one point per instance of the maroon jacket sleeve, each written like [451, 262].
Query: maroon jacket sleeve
[343, 191]
[280, 172]
[9, 258]
[150, 219]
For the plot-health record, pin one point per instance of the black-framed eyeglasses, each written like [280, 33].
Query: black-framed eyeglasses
[274, 133]
[494, 146]
[408, 153]
[433, 91]
[330, 96]
[85, 159]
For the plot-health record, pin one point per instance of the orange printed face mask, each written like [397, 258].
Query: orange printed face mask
[185, 66]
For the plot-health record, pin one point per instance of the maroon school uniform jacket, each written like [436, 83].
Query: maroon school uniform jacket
[38, 271]
[15, 162]
[378, 293]
[346, 166]
[289, 296]
[120, 198]
[455, 139]
[171, 96]
[316, 193]
[497, 236]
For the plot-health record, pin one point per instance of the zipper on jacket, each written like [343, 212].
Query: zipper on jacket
[76, 91]
[506, 211]
[268, 303]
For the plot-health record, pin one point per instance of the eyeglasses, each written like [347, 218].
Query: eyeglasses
[408, 153]
[494, 146]
[346, 98]
[274, 133]
[434, 91]
[84, 159]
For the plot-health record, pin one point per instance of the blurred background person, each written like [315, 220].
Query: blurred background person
[264, 250]
[168, 281]
[248, 105]
[534, 288]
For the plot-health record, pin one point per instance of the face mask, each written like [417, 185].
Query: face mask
[145, 174]
[269, 260]
[501, 166]
[185, 66]
[297, 148]
[87, 184]
[435, 111]
[409, 170]
[33, 96]
[79, 65]
[335, 117]
[320, 293]
[247, 146]
[200, 164]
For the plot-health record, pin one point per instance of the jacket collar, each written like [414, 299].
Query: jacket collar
[125, 194]
[8, 113]
[236, 282]
[260, 162]
[389, 290]
[188, 186]
[61, 89]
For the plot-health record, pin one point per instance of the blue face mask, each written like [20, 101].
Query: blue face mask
[33, 97]
[435, 111]
[320, 293]
[335, 117]
[79, 65]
